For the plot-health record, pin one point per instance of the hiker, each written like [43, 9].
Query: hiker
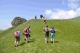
[41, 16]
[29, 32]
[52, 34]
[35, 17]
[26, 33]
[46, 31]
[17, 37]
[45, 20]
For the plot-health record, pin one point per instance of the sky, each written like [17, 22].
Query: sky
[52, 9]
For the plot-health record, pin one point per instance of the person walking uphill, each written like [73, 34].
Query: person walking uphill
[45, 20]
[46, 31]
[29, 32]
[17, 37]
[52, 34]
[26, 33]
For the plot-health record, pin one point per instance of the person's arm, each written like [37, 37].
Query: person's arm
[55, 30]
[49, 29]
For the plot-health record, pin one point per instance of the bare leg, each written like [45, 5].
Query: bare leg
[26, 40]
[15, 43]
[45, 40]
[53, 40]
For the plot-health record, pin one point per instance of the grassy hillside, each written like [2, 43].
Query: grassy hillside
[67, 39]
[77, 19]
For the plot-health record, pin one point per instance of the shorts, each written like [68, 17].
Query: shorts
[52, 35]
[27, 35]
[17, 39]
[47, 34]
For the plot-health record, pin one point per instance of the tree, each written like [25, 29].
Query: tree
[17, 21]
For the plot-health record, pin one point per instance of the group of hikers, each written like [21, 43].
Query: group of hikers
[42, 18]
[27, 31]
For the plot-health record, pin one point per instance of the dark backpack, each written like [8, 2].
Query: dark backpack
[52, 31]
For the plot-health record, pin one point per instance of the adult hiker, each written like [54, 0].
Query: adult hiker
[46, 31]
[29, 32]
[52, 34]
[44, 20]
[35, 17]
[17, 37]
[26, 33]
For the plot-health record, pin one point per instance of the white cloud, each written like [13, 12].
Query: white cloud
[63, 14]
[48, 12]
[73, 4]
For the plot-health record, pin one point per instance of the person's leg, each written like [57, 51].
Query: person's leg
[53, 40]
[27, 38]
[45, 38]
[15, 43]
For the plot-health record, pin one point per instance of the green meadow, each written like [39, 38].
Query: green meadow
[67, 37]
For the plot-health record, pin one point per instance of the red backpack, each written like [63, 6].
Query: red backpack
[26, 31]
[16, 34]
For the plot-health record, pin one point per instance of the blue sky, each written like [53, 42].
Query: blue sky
[53, 9]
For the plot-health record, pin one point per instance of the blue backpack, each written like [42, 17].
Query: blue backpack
[52, 31]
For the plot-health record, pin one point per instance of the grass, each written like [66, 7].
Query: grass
[67, 39]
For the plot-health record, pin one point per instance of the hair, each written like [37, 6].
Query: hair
[52, 27]
[47, 26]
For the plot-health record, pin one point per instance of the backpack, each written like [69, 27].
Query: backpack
[16, 34]
[52, 31]
[26, 31]
[47, 30]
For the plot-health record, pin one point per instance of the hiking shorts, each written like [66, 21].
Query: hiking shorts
[52, 35]
[27, 35]
[47, 35]
[17, 39]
